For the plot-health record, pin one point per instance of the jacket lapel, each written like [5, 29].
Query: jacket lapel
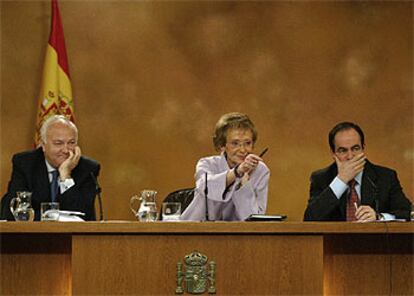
[367, 188]
[44, 184]
[42, 179]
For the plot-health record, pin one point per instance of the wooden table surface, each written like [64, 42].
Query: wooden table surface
[206, 227]
[253, 258]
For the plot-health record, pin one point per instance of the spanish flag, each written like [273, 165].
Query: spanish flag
[56, 91]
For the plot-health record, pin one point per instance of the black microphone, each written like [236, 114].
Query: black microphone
[375, 195]
[98, 192]
[205, 195]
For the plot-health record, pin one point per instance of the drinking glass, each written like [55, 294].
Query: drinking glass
[49, 211]
[171, 211]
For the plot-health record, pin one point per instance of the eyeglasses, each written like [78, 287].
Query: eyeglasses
[343, 151]
[240, 144]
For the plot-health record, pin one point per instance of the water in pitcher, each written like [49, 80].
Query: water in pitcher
[21, 206]
[148, 212]
[24, 215]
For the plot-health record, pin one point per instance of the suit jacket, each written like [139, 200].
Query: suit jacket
[30, 174]
[380, 189]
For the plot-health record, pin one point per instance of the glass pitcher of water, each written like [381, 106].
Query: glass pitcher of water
[21, 206]
[147, 211]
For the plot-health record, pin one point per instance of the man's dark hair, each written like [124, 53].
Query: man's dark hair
[342, 126]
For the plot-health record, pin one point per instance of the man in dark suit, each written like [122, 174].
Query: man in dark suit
[58, 157]
[352, 188]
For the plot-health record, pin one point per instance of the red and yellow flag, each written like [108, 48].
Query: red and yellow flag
[56, 90]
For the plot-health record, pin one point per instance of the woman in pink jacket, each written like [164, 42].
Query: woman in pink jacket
[234, 184]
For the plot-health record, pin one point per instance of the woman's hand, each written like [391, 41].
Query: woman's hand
[249, 164]
[243, 170]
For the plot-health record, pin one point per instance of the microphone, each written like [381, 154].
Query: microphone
[205, 195]
[98, 192]
[375, 195]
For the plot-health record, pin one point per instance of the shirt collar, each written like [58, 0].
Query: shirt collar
[49, 167]
[358, 177]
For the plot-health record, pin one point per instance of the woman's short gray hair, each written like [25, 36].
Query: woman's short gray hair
[229, 121]
[53, 119]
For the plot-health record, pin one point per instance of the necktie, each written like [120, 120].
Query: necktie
[351, 202]
[54, 186]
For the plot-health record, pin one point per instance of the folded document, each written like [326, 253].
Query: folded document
[266, 218]
[70, 216]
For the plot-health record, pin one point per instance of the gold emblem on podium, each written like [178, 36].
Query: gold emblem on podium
[196, 276]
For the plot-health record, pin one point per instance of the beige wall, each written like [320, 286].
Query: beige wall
[150, 79]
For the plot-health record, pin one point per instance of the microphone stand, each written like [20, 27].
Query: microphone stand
[205, 195]
[375, 197]
[98, 191]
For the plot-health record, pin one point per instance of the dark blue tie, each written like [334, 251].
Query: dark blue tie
[54, 186]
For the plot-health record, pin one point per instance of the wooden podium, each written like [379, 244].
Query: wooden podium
[252, 258]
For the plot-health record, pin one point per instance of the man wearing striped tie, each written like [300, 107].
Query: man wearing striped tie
[353, 188]
[56, 171]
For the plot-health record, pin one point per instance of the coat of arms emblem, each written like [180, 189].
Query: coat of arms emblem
[196, 276]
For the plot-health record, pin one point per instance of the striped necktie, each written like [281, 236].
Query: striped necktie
[351, 202]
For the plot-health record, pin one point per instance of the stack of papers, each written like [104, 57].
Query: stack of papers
[70, 216]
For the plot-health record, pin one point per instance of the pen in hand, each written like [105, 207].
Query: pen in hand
[263, 152]
[356, 206]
